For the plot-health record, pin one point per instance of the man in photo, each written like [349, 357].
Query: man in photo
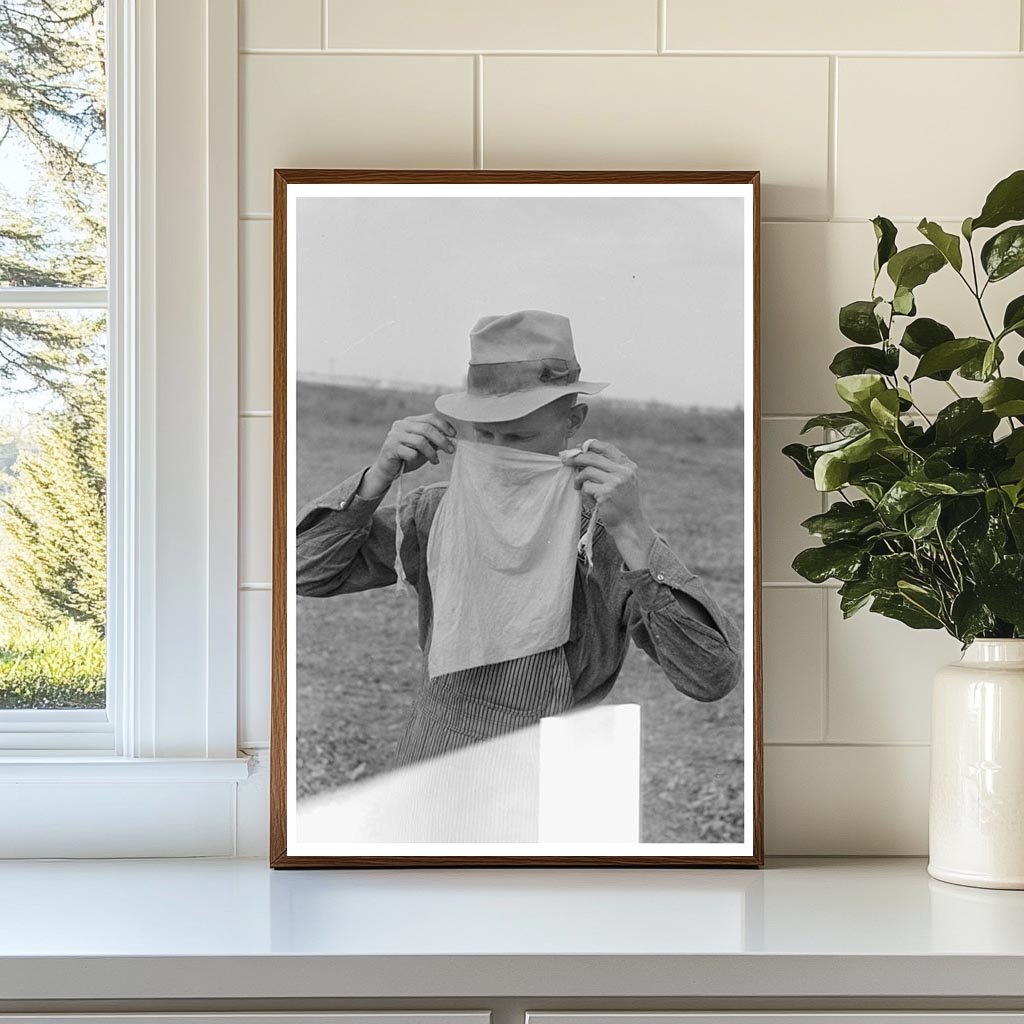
[533, 567]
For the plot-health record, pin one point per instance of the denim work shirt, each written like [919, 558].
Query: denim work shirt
[346, 544]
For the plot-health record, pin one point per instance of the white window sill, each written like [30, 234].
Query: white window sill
[76, 806]
[80, 767]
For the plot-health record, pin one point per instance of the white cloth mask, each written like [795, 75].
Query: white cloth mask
[501, 557]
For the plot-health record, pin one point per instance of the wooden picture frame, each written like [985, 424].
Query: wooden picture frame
[291, 186]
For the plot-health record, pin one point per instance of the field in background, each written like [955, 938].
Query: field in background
[357, 655]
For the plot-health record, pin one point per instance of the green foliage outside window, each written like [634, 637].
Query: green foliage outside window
[53, 212]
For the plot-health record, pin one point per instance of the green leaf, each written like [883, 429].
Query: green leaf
[974, 368]
[966, 417]
[885, 409]
[887, 570]
[1003, 254]
[842, 521]
[995, 499]
[858, 389]
[841, 421]
[849, 361]
[854, 594]
[947, 244]
[864, 446]
[799, 455]
[1004, 397]
[970, 617]
[872, 491]
[990, 361]
[831, 471]
[1015, 518]
[899, 608]
[913, 266]
[840, 561]
[1017, 325]
[1005, 202]
[925, 518]
[965, 228]
[1005, 597]
[857, 321]
[923, 335]
[903, 302]
[1013, 317]
[948, 356]
[905, 494]
[1014, 441]
[885, 237]
[817, 450]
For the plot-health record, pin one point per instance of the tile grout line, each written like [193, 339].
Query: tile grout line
[826, 723]
[832, 146]
[824, 715]
[478, 111]
[855, 744]
[256, 51]
[798, 585]
[953, 221]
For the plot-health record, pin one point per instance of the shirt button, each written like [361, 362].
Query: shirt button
[660, 576]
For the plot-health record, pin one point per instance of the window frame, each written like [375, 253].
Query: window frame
[173, 469]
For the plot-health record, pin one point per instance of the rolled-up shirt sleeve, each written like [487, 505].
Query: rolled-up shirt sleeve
[344, 543]
[673, 620]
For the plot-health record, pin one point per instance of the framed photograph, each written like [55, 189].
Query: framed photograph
[516, 555]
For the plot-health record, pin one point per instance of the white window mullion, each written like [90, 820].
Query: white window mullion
[53, 298]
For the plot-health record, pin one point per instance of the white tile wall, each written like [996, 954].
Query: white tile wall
[687, 112]
[256, 305]
[906, 110]
[969, 109]
[879, 677]
[254, 667]
[254, 500]
[261, 25]
[794, 664]
[472, 25]
[868, 25]
[849, 800]
[332, 110]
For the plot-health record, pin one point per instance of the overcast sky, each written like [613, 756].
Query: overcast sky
[389, 289]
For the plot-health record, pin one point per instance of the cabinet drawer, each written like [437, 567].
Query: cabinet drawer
[785, 1017]
[360, 1017]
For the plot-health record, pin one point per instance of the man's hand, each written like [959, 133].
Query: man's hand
[410, 443]
[610, 477]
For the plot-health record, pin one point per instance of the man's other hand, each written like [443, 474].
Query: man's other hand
[410, 442]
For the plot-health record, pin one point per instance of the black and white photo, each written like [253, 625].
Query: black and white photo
[515, 491]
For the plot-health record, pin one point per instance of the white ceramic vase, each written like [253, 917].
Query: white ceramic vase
[976, 811]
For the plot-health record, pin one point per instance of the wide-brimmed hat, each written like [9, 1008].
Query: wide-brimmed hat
[518, 362]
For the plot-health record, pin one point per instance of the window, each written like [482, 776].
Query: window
[53, 373]
[151, 749]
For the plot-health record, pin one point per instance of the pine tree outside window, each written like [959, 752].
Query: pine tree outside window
[53, 371]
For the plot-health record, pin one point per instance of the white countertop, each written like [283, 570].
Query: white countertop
[828, 927]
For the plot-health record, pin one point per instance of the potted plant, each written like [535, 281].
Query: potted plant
[926, 521]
